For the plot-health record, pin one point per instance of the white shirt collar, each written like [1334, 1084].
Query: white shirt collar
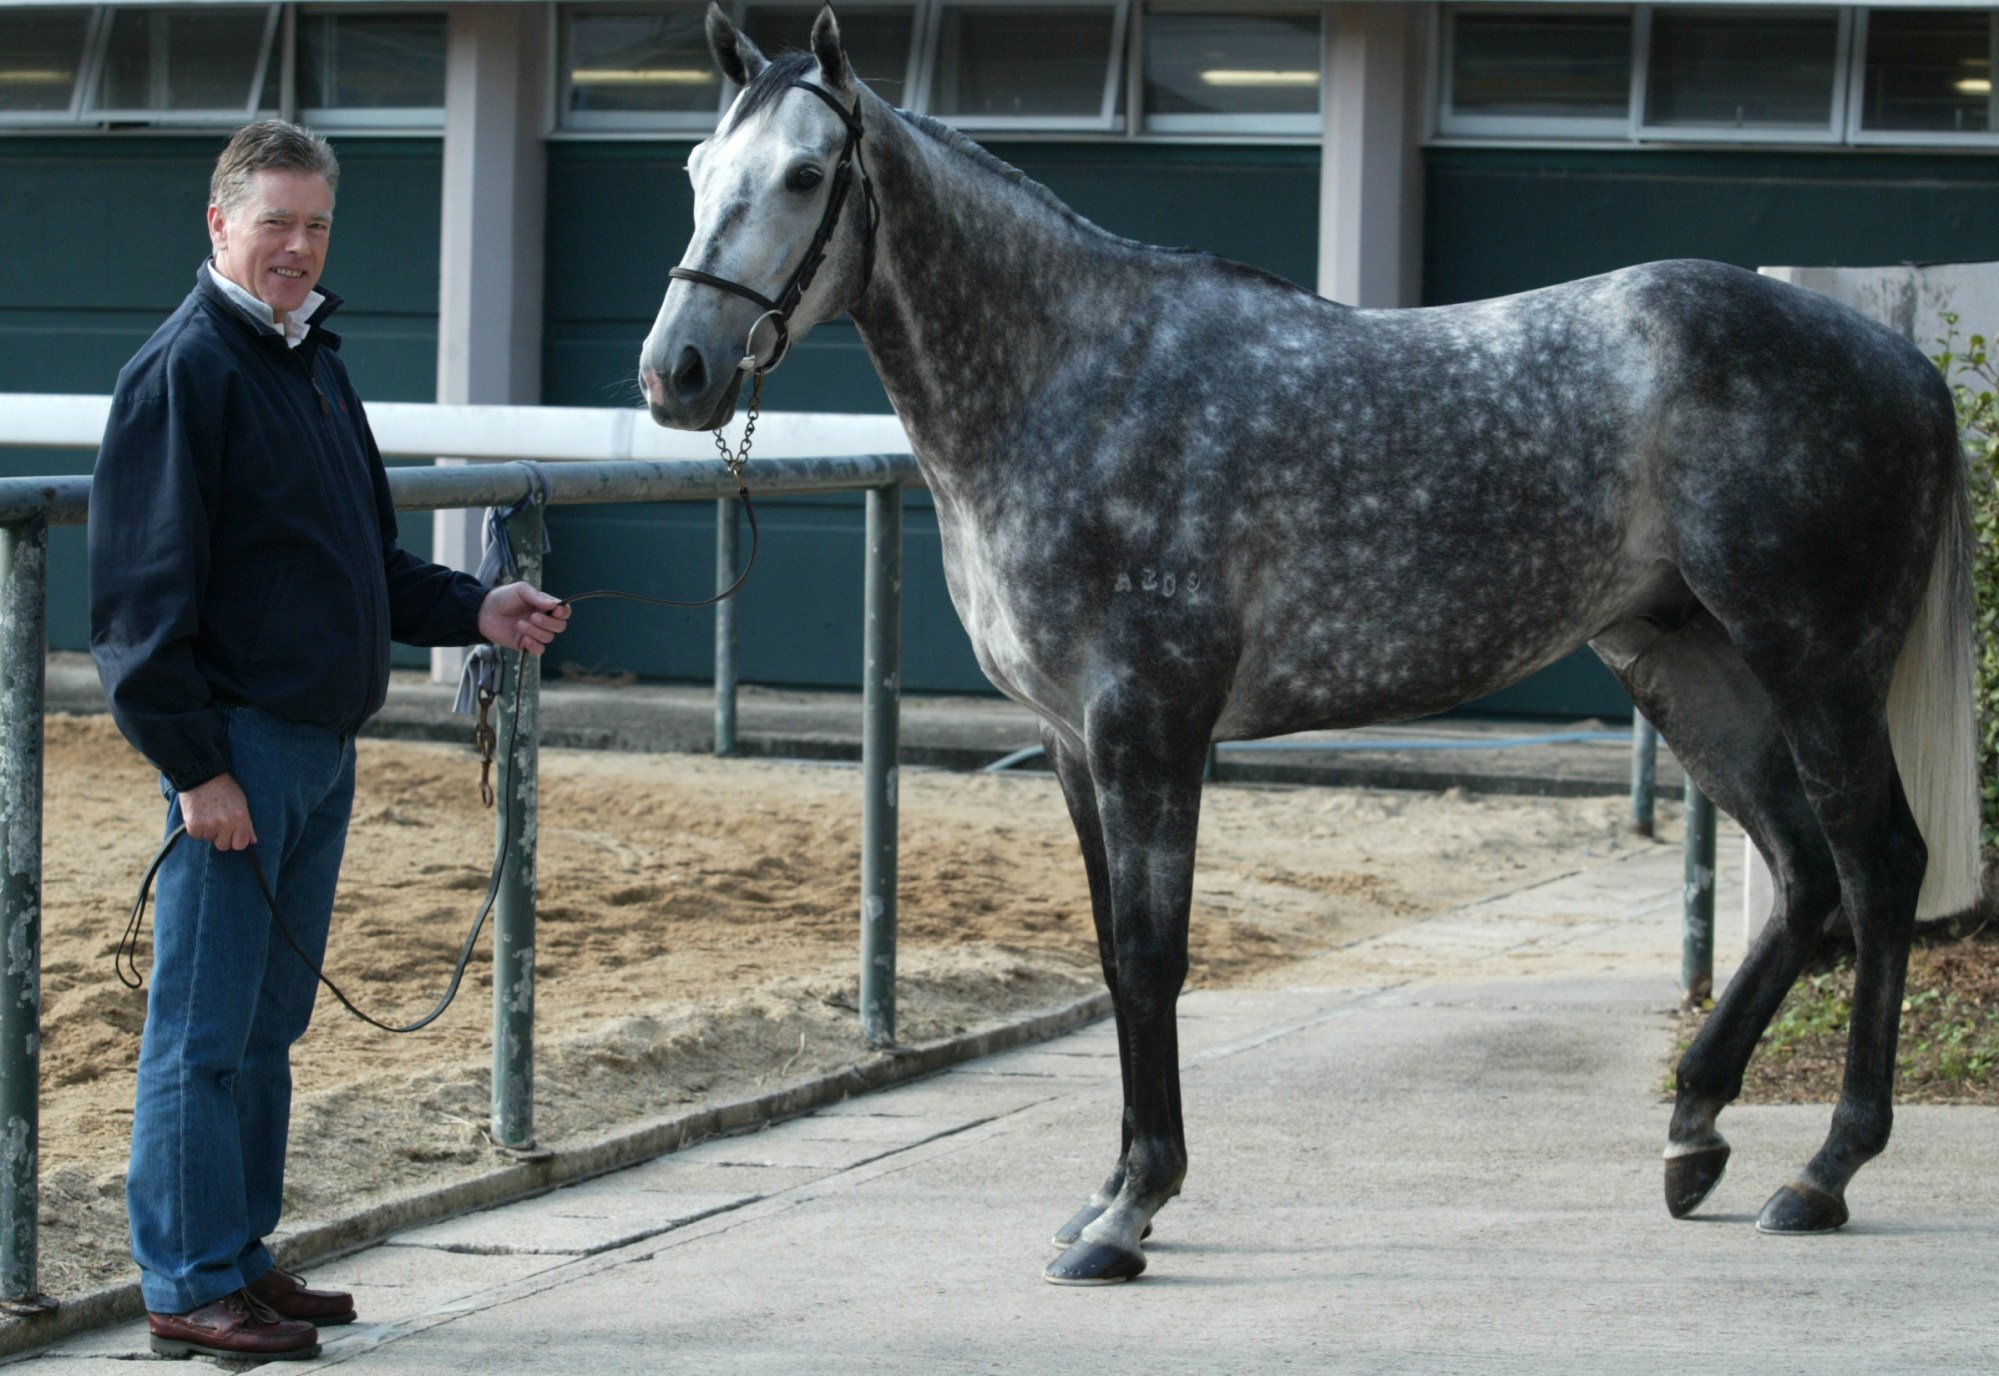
[295, 327]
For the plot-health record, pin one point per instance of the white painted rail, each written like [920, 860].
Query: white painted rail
[545, 434]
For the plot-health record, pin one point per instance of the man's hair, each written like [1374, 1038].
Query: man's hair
[267, 144]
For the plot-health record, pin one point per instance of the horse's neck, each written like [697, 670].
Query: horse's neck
[981, 291]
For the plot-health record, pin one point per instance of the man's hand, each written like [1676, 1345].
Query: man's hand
[217, 811]
[521, 616]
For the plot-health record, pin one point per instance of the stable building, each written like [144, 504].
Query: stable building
[513, 195]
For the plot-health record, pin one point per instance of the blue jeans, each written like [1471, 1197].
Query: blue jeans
[229, 996]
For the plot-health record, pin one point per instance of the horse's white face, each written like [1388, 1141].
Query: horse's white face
[760, 190]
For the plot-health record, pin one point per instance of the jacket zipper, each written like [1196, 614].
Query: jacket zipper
[337, 491]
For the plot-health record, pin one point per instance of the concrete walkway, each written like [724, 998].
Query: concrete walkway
[1389, 1175]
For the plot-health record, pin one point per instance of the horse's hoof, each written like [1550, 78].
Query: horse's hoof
[1800, 1208]
[1094, 1263]
[1692, 1176]
[1068, 1233]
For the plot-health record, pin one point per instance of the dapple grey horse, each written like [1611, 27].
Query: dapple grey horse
[1184, 501]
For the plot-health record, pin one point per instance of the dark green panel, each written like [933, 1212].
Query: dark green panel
[1578, 686]
[799, 615]
[1506, 220]
[1256, 205]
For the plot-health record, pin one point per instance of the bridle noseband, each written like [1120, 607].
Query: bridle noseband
[778, 311]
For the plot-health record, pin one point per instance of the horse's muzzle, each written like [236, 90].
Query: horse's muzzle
[685, 391]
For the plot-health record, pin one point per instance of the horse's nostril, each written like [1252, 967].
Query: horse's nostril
[690, 379]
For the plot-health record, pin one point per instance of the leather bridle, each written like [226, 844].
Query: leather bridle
[778, 310]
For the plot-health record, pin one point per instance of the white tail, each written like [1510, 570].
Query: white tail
[1932, 725]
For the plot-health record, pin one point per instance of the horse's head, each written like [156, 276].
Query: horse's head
[782, 226]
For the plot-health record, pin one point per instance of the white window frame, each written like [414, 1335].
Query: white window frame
[1451, 122]
[385, 118]
[97, 23]
[1296, 125]
[1829, 132]
[1106, 121]
[225, 114]
[807, 10]
[1858, 135]
[682, 124]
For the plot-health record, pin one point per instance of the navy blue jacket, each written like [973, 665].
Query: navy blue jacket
[243, 541]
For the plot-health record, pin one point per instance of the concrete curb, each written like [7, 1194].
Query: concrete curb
[318, 1240]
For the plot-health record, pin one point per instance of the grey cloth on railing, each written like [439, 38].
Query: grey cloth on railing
[481, 673]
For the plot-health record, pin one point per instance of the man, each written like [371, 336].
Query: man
[245, 585]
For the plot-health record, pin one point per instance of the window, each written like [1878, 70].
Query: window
[880, 39]
[370, 67]
[1726, 71]
[638, 68]
[1209, 72]
[202, 64]
[1538, 71]
[1026, 66]
[1929, 71]
[41, 59]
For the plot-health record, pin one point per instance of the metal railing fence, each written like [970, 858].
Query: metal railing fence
[29, 506]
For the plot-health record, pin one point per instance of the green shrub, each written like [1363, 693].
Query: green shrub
[1973, 374]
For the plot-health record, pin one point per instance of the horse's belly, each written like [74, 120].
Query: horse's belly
[1330, 662]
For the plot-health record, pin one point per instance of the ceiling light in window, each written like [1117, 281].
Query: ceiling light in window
[646, 76]
[1974, 86]
[1237, 76]
[35, 76]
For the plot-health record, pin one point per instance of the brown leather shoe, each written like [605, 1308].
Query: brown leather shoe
[288, 1296]
[237, 1325]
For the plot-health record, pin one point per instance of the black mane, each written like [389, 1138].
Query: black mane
[768, 86]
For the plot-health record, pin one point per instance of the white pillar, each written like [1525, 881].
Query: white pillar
[1371, 176]
[489, 314]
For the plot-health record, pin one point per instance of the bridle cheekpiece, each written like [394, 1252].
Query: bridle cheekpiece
[778, 310]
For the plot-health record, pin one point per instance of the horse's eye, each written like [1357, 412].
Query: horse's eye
[803, 178]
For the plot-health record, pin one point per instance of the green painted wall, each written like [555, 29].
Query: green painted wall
[1504, 220]
[801, 614]
[103, 238]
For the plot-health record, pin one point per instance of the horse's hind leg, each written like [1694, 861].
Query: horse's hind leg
[1693, 684]
[1081, 795]
[1839, 737]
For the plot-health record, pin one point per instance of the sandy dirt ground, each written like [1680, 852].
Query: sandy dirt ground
[698, 923]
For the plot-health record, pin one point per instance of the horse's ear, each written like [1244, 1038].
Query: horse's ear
[739, 59]
[827, 48]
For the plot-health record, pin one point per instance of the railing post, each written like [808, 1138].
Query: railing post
[513, 909]
[881, 696]
[725, 626]
[1697, 935]
[1644, 772]
[24, 564]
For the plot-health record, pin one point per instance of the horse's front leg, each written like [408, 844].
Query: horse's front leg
[1066, 758]
[1147, 785]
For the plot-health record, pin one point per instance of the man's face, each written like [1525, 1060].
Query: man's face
[273, 243]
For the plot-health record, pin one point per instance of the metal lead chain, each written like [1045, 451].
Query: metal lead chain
[741, 455]
[483, 737]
